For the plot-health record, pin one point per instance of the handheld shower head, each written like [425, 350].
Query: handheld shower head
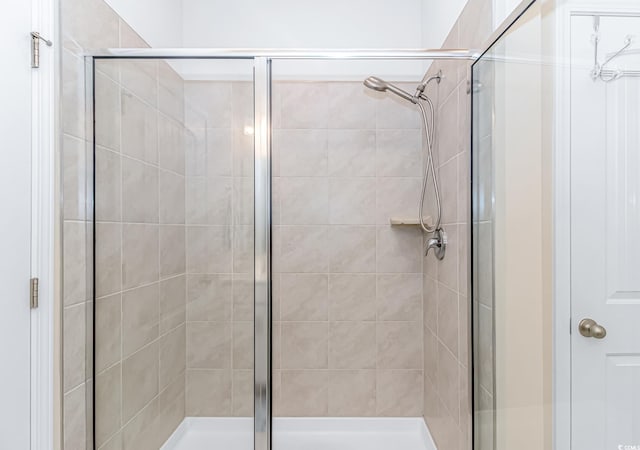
[378, 84]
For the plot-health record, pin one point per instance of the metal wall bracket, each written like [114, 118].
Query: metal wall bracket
[35, 48]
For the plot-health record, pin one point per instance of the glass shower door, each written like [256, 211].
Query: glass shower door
[512, 238]
[556, 297]
[173, 320]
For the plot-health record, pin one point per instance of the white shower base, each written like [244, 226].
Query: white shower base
[222, 433]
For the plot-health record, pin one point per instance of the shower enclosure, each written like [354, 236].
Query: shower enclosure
[250, 289]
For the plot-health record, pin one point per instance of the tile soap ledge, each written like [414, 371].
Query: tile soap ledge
[407, 221]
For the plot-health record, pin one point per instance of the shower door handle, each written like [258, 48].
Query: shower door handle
[590, 328]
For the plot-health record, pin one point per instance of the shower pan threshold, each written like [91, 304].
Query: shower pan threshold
[313, 433]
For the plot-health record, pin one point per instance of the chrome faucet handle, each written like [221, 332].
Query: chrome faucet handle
[438, 242]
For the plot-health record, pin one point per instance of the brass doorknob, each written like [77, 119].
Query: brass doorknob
[590, 328]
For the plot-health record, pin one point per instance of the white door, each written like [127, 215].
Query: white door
[15, 224]
[605, 242]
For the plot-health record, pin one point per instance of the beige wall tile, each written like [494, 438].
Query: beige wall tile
[243, 192]
[171, 407]
[305, 105]
[399, 153]
[108, 198]
[172, 302]
[448, 381]
[211, 100]
[74, 348]
[75, 169]
[171, 145]
[142, 432]
[100, 32]
[352, 249]
[140, 318]
[218, 156]
[399, 393]
[172, 250]
[399, 296]
[352, 345]
[171, 198]
[208, 393]
[139, 129]
[303, 249]
[395, 113]
[430, 347]
[114, 443]
[107, 398]
[351, 106]
[75, 423]
[430, 303]
[243, 393]
[172, 359]
[139, 254]
[209, 297]
[399, 345]
[398, 250]
[72, 102]
[352, 201]
[304, 297]
[108, 331]
[74, 254]
[208, 345]
[302, 152]
[243, 297]
[448, 319]
[140, 184]
[139, 381]
[108, 254]
[304, 201]
[304, 345]
[448, 270]
[304, 393]
[243, 249]
[243, 154]
[352, 393]
[107, 112]
[351, 297]
[140, 77]
[397, 197]
[352, 153]
[243, 345]
[203, 243]
[448, 174]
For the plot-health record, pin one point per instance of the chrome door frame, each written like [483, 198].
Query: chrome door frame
[262, 177]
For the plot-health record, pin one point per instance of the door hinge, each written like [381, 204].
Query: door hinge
[35, 48]
[33, 295]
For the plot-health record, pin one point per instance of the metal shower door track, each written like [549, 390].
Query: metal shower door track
[252, 53]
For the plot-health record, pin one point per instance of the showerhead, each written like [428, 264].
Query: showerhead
[378, 84]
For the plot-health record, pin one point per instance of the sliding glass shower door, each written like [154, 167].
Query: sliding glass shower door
[173, 158]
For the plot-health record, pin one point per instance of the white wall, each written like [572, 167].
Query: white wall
[159, 22]
[335, 24]
[438, 17]
[296, 24]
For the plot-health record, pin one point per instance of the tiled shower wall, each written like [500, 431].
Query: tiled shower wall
[140, 240]
[447, 400]
[219, 218]
[140, 253]
[347, 287]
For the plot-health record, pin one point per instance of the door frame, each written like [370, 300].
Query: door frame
[45, 404]
[563, 327]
